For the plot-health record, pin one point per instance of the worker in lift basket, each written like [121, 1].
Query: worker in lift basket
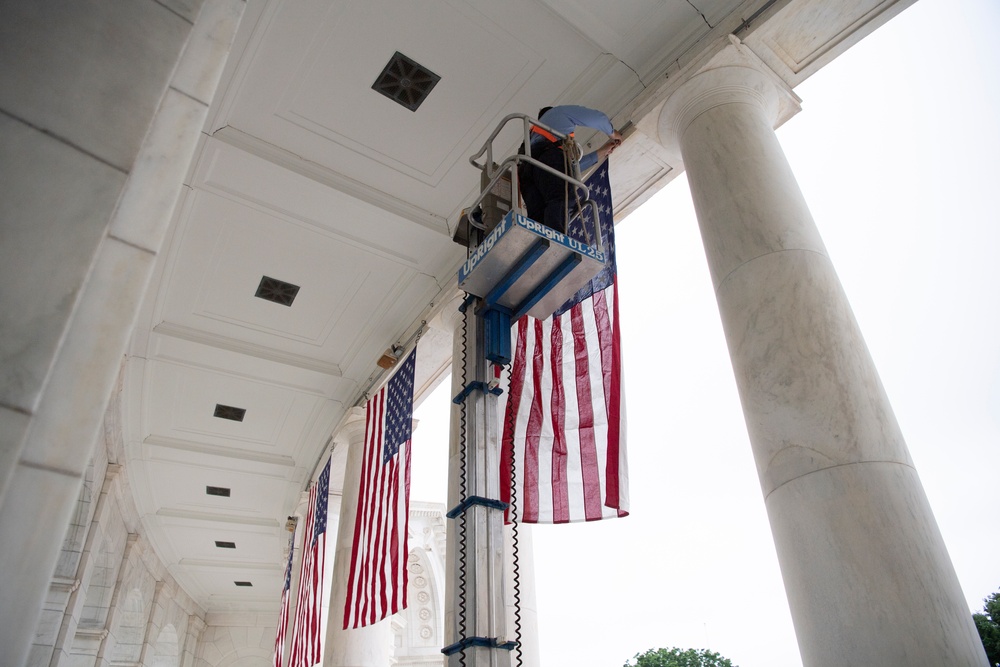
[545, 194]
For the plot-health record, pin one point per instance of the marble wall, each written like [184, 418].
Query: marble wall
[101, 105]
[237, 638]
[417, 634]
[110, 600]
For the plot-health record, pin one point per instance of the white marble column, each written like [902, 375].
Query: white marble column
[866, 572]
[360, 647]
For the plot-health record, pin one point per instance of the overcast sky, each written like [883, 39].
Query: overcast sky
[896, 151]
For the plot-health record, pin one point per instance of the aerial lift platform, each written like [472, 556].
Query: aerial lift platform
[515, 267]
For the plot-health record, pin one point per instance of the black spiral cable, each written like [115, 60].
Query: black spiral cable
[514, 520]
[462, 490]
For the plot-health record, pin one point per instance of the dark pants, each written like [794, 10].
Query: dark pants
[544, 194]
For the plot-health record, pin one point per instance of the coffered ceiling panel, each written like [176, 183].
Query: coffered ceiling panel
[253, 546]
[184, 488]
[315, 105]
[810, 33]
[274, 417]
[318, 103]
[230, 246]
[215, 583]
[330, 94]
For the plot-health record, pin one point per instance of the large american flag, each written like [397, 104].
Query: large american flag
[376, 585]
[564, 434]
[306, 633]
[286, 594]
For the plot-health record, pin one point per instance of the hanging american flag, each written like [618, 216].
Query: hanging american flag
[564, 434]
[376, 585]
[306, 637]
[279, 639]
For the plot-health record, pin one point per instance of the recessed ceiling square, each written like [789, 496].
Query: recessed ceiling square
[217, 491]
[405, 81]
[278, 291]
[225, 545]
[229, 412]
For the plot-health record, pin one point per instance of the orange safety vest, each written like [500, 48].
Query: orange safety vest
[548, 135]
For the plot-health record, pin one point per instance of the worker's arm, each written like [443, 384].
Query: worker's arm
[592, 158]
[567, 117]
[610, 145]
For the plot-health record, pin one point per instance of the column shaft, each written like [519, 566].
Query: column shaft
[360, 647]
[866, 571]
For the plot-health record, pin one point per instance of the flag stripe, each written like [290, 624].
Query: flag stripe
[532, 464]
[613, 391]
[508, 457]
[588, 443]
[374, 485]
[560, 492]
[354, 584]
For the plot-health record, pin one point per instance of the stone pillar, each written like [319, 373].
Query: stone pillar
[154, 622]
[361, 647]
[196, 626]
[866, 572]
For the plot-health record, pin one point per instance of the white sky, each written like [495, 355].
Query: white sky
[896, 150]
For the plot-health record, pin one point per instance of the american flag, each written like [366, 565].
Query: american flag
[564, 434]
[279, 639]
[376, 585]
[306, 637]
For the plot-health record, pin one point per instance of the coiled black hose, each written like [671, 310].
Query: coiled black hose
[463, 491]
[514, 521]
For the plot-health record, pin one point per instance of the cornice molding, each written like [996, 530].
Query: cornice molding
[224, 452]
[249, 349]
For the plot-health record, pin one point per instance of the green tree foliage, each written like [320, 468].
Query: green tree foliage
[675, 657]
[988, 624]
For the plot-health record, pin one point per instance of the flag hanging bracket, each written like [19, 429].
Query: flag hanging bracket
[473, 386]
[476, 500]
[484, 642]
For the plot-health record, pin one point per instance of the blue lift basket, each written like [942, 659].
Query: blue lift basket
[519, 266]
